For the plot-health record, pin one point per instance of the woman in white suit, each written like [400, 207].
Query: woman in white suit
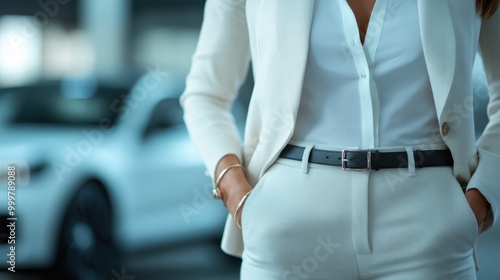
[359, 141]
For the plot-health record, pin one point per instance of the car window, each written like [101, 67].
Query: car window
[56, 106]
[166, 114]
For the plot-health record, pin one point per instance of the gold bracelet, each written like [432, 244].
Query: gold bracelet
[237, 212]
[216, 193]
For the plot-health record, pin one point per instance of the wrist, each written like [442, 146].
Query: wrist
[217, 192]
[231, 182]
[233, 191]
[229, 185]
[478, 203]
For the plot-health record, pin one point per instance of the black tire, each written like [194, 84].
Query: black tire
[86, 250]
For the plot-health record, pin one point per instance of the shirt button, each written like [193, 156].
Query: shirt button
[445, 129]
[363, 76]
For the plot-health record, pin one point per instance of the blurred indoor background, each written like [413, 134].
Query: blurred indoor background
[108, 185]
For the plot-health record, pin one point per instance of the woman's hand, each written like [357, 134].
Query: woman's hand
[234, 185]
[478, 204]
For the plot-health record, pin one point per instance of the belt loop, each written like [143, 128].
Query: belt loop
[305, 158]
[411, 161]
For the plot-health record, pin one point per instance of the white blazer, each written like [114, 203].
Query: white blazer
[274, 34]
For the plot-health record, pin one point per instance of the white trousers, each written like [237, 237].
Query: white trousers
[311, 221]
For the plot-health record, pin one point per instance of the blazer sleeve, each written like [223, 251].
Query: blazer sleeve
[486, 177]
[219, 66]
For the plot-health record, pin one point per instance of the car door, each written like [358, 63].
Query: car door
[169, 175]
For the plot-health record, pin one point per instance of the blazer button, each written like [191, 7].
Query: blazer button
[445, 128]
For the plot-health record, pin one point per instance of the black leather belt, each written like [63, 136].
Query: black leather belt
[370, 159]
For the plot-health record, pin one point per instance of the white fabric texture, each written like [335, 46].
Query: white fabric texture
[314, 230]
[375, 94]
[275, 35]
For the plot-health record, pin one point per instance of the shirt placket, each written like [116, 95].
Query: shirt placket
[364, 57]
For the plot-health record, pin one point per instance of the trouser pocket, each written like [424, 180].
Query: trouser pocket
[293, 217]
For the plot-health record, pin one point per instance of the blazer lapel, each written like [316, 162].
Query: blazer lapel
[438, 40]
[293, 43]
[439, 44]
[294, 19]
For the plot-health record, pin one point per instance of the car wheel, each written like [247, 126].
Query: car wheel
[86, 249]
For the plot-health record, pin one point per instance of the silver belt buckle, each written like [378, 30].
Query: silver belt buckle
[344, 160]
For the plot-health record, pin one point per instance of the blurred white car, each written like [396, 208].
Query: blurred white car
[100, 172]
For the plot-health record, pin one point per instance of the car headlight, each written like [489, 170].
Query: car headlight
[24, 172]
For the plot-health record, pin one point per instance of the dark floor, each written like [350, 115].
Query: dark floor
[206, 261]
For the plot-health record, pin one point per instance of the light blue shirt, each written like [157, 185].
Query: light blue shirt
[375, 94]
